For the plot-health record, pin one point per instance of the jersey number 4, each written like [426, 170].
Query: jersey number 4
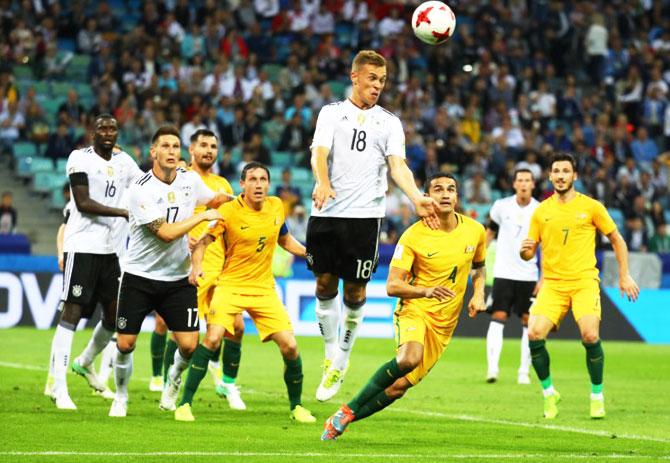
[358, 140]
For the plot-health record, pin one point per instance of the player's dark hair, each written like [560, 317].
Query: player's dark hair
[165, 130]
[522, 171]
[563, 156]
[202, 133]
[254, 165]
[439, 175]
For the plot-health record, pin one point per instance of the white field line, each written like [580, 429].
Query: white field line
[331, 455]
[458, 417]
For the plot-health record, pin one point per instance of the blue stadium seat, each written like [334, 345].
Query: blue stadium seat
[282, 158]
[300, 174]
[45, 182]
[24, 149]
[666, 214]
[60, 166]
[617, 216]
[337, 88]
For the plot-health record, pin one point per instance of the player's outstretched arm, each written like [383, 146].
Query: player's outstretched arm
[220, 198]
[478, 301]
[84, 202]
[397, 286]
[627, 285]
[323, 191]
[168, 232]
[292, 245]
[528, 248]
[197, 255]
[402, 176]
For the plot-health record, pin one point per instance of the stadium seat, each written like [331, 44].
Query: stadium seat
[40, 164]
[275, 174]
[46, 182]
[282, 158]
[60, 166]
[22, 72]
[300, 174]
[496, 195]
[617, 216]
[24, 149]
[337, 88]
[666, 214]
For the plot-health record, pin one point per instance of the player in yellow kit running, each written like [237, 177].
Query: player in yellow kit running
[565, 225]
[428, 274]
[253, 226]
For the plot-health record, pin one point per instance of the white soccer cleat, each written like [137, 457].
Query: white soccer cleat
[523, 378]
[156, 384]
[170, 395]
[119, 408]
[491, 376]
[330, 384]
[89, 374]
[232, 394]
[107, 394]
[49, 386]
[63, 401]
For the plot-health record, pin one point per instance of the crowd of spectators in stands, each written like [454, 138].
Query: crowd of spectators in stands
[520, 80]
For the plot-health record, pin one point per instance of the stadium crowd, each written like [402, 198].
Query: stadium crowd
[519, 81]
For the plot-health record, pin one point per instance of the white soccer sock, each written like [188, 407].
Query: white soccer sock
[123, 369]
[107, 361]
[328, 315]
[524, 365]
[494, 342]
[62, 348]
[351, 322]
[180, 364]
[96, 344]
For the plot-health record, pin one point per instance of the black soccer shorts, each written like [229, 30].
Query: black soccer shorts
[511, 296]
[90, 278]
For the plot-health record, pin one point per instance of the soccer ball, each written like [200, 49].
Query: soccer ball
[433, 22]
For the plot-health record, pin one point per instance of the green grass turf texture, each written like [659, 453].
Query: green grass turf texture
[453, 415]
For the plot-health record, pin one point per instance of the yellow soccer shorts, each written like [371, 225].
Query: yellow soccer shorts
[205, 292]
[266, 311]
[415, 325]
[557, 297]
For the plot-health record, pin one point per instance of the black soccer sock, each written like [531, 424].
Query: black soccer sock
[232, 353]
[168, 359]
[157, 352]
[293, 380]
[383, 378]
[595, 363]
[197, 371]
[378, 402]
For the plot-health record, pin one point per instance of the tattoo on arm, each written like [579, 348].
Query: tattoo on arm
[155, 225]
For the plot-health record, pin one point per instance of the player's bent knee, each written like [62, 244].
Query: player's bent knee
[499, 316]
[71, 313]
[125, 346]
[326, 286]
[212, 341]
[590, 337]
[289, 349]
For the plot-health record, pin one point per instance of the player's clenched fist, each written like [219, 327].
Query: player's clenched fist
[476, 305]
[527, 250]
[321, 194]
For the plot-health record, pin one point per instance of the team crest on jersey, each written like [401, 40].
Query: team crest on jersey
[121, 323]
[110, 171]
[581, 216]
[76, 290]
[171, 197]
[469, 249]
[361, 118]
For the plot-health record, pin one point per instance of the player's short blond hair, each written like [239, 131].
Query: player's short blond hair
[367, 57]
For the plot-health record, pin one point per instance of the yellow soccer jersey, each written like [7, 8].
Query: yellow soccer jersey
[213, 260]
[567, 235]
[249, 240]
[438, 258]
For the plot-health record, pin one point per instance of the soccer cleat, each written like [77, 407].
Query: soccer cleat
[550, 408]
[88, 374]
[183, 413]
[597, 408]
[491, 377]
[301, 415]
[337, 424]
[325, 367]
[232, 394]
[49, 386]
[63, 401]
[330, 384]
[106, 394]
[216, 374]
[170, 395]
[119, 408]
[523, 378]
[156, 384]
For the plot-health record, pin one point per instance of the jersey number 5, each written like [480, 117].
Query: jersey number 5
[358, 140]
[261, 243]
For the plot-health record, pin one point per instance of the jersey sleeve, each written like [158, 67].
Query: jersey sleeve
[395, 144]
[480, 252]
[141, 207]
[134, 171]
[325, 129]
[602, 219]
[534, 229]
[76, 163]
[494, 213]
[203, 194]
[403, 256]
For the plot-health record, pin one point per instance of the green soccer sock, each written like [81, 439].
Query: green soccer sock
[378, 402]
[232, 353]
[595, 363]
[383, 378]
[168, 360]
[540, 358]
[157, 352]
[293, 380]
[197, 371]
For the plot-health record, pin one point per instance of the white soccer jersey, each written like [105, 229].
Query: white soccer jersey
[150, 199]
[359, 141]
[513, 222]
[107, 183]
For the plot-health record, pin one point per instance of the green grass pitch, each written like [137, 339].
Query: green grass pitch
[453, 415]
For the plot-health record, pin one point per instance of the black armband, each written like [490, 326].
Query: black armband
[493, 226]
[478, 264]
[78, 178]
[67, 217]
